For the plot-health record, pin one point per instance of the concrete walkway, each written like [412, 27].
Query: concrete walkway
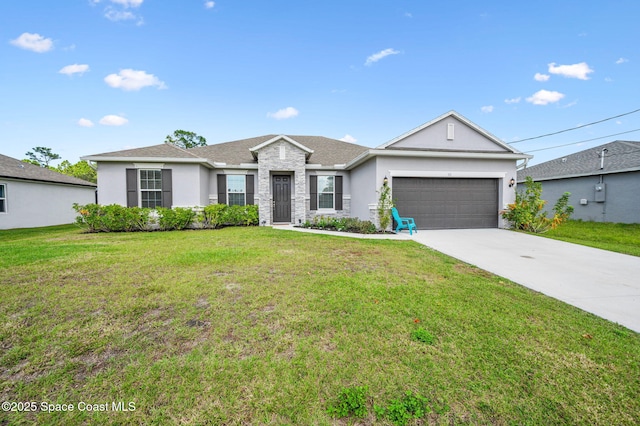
[604, 283]
[601, 282]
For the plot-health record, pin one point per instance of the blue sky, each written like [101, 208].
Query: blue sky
[87, 76]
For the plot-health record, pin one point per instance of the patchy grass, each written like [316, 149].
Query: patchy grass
[263, 326]
[618, 237]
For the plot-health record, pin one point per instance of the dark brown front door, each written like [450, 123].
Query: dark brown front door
[281, 198]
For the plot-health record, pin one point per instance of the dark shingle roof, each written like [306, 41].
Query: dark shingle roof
[16, 169]
[620, 156]
[326, 151]
[164, 150]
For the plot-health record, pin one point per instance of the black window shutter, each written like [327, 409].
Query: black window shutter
[313, 184]
[338, 192]
[222, 189]
[167, 196]
[249, 189]
[132, 188]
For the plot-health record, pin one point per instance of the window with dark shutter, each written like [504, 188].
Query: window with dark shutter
[250, 189]
[167, 195]
[338, 192]
[313, 192]
[222, 189]
[132, 188]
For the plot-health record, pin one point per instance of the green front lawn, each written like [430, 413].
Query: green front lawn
[618, 237]
[262, 326]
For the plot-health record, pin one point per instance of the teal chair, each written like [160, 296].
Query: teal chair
[403, 222]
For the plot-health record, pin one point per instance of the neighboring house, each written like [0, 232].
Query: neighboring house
[32, 196]
[603, 182]
[448, 173]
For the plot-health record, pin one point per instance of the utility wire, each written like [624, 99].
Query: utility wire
[575, 128]
[586, 140]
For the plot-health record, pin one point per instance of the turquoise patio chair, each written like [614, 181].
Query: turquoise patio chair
[403, 222]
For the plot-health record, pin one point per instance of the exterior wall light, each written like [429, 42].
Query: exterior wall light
[512, 182]
[385, 181]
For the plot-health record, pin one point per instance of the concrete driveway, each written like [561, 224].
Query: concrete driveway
[604, 283]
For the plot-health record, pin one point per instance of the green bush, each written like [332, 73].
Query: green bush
[112, 218]
[527, 212]
[178, 218]
[345, 224]
[213, 215]
[116, 218]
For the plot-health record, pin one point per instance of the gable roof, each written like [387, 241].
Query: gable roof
[16, 169]
[620, 156]
[459, 117]
[321, 150]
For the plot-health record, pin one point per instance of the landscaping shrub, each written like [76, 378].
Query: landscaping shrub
[527, 213]
[116, 218]
[400, 411]
[177, 218]
[112, 218]
[344, 224]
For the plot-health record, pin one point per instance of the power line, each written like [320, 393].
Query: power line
[586, 140]
[575, 128]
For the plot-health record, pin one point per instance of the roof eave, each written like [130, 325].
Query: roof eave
[104, 159]
[435, 154]
[577, 175]
[87, 185]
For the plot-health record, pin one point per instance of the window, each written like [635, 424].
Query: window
[236, 190]
[151, 188]
[3, 198]
[325, 192]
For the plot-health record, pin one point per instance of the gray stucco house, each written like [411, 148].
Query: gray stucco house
[447, 173]
[32, 196]
[603, 181]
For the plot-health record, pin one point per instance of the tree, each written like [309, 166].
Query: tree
[81, 170]
[42, 156]
[184, 139]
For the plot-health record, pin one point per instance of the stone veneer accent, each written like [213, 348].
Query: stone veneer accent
[270, 163]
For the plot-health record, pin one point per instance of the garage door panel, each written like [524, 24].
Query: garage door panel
[442, 203]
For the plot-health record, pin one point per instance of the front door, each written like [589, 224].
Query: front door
[281, 198]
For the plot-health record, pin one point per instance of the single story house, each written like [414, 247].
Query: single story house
[32, 196]
[603, 182]
[447, 173]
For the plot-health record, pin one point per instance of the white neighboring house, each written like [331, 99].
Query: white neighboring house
[32, 196]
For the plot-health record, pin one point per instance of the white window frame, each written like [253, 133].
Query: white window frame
[333, 193]
[243, 192]
[142, 190]
[3, 197]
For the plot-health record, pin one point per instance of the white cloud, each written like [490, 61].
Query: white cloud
[209, 4]
[33, 42]
[608, 79]
[622, 61]
[618, 122]
[118, 15]
[579, 71]
[382, 54]
[74, 69]
[541, 77]
[129, 80]
[487, 109]
[85, 122]
[408, 15]
[513, 100]
[544, 97]
[113, 120]
[348, 138]
[128, 3]
[283, 114]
